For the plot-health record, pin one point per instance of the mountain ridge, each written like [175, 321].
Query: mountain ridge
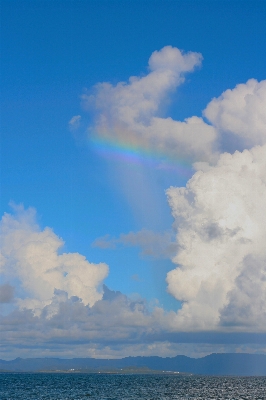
[242, 364]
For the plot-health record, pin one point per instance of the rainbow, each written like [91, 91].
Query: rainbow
[121, 151]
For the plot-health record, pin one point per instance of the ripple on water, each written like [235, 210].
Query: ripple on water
[125, 387]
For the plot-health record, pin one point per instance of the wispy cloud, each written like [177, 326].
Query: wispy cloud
[153, 244]
[6, 293]
[74, 123]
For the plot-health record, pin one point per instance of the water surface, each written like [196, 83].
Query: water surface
[124, 387]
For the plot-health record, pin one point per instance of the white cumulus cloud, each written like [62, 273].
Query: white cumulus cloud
[220, 217]
[241, 112]
[130, 112]
[32, 256]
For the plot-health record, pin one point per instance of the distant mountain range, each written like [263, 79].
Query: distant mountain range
[214, 364]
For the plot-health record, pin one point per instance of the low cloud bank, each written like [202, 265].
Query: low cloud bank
[115, 326]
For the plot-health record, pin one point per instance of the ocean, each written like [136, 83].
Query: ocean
[53, 386]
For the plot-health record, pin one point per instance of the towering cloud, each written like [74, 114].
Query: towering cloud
[31, 255]
[130, 112]
[220, 218]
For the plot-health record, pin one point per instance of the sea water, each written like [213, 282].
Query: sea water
[122, 387]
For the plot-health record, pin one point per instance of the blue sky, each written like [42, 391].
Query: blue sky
[91, 182]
